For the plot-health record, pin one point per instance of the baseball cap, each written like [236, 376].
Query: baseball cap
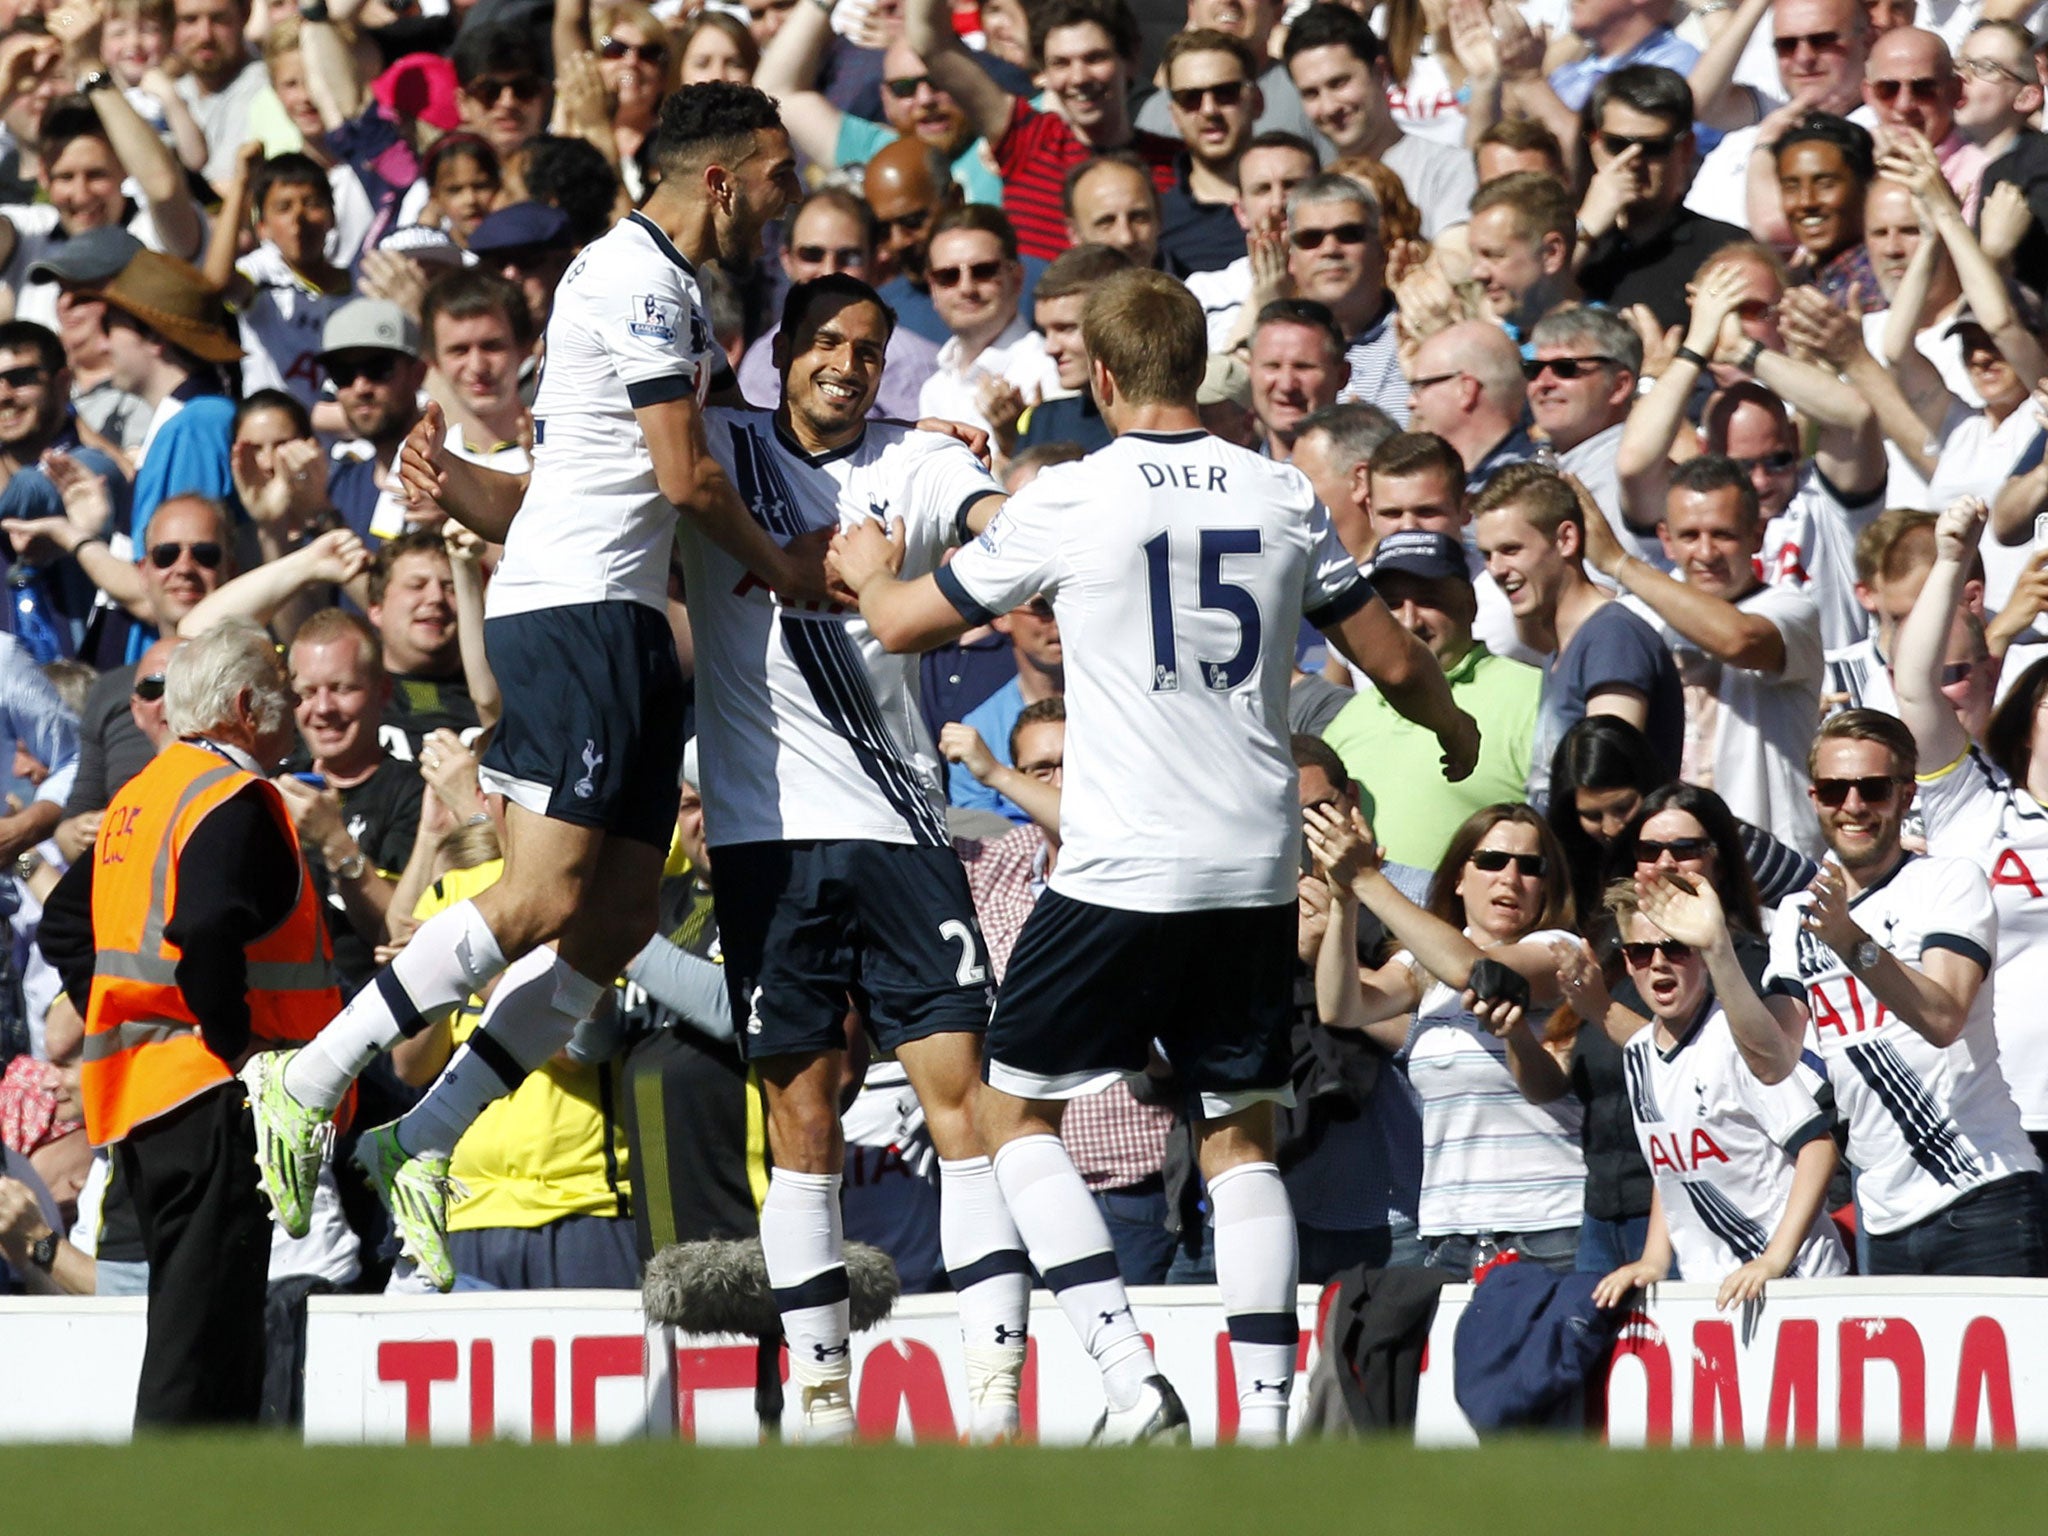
[523, 225]
[370, 324]
[1225, 379]
[1417, 552]
[430, 247]
[87, 259]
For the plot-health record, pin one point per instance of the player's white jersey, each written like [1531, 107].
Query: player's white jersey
[1180, 568]
[1973, 811]
[281, 326]
[1720, 1144]
[1927, 1124]
[807, 728]
[628, 330]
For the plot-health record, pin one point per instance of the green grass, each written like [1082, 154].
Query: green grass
[223, 1486]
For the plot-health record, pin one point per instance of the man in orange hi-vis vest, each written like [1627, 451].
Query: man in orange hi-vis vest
[207, 947]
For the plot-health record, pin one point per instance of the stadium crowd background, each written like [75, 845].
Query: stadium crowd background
[1759, 275]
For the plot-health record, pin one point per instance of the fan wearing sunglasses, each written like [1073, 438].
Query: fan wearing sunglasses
[976, 282]
[1741, 1167]
[1496, 1167]
[1887, 954]
[1911, 84]
[1212, 94]
[501, 93]
[1981, 796]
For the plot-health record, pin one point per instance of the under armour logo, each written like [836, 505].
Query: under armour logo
[1005, 1335]
[592, 760]
[826, 1352]
[1277, 1388]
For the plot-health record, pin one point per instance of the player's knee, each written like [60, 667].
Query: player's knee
[804, 1134]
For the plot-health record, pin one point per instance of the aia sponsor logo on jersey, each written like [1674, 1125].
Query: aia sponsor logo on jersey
[1672, 1153]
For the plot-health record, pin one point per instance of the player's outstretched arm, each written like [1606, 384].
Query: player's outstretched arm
[1922, 644]
[902, 615]
[691, 478]
[1403, 669]
[430, 478]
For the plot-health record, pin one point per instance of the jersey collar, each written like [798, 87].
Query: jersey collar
[844, 450]
[1890, 875]
[1692, 1030]
[662, 243]
[1193, 436]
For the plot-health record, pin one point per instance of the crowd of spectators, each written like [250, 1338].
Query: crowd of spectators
[1676, 371]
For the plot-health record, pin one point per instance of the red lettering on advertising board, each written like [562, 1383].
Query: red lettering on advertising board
[483, 1391]
[1716, 1390]
[1984, 1371]
[417, 1364]
[900, 1372]
[1642, 1340]
[726, 1368]
[1027, 1394]
[543, 1390]
[592, 1361]
[1794, 1414]
[1226, 1384]
[1893, 1339]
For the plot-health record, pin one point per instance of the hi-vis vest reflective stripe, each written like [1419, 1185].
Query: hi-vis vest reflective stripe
[143, 1052]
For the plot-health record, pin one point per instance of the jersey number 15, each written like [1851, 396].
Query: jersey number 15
[1213, 592]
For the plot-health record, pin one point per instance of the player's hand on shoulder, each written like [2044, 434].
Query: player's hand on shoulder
[974, 437]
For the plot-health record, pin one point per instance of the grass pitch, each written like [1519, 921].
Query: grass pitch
[224, 1486]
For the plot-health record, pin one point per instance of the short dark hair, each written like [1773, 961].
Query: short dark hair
[461, 145]
[291, 169]
[796, 304]
[1420, 453]
[66, 119]
[26, 335]
[1052, 711]
[1281, 138]
[269, 400]
[1708, 473]
[1113, 16]
[500, 48]
[1078, 269]
[989, 220]
[1304, 312]
[1851, 140]
[1043, 456]
[1528, 136]
[1207, 40]
[1539, 199]
[1650, 89]
[1093, 163]
[711, 120]
[467, 292]
[570, 174]
[1314, 752]
[827, 197]
[417, 541]
[1334, 26]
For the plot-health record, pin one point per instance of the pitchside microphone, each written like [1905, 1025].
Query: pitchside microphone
[721, 1286]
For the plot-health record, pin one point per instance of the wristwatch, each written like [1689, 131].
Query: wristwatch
[43, 1252]
[27, 863]
[95, 80]
[1863, 955]
[352, 867]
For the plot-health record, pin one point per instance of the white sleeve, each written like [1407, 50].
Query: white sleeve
[1017, 556]
[946, 482]
[653, 330]
[1797, 621]
[1781, 971]
[1959, 804]
[1967, 921]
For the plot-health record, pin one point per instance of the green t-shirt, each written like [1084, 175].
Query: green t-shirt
[860, 139]
[1398, 767]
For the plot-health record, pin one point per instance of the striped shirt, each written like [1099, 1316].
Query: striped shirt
[1034, 156]
[1376, 376]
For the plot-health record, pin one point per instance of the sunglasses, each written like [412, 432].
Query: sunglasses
[844, 255]
[952, 277]
[1042, 769]
[487, 91]
[1429, 379]
[345, 371]
[206, 554]
[1040, 608]
[1649, 850]
[906, 223]
[1876, 790]
[1227, 94]
[641, 53]
[1640, 955]
[1494, 860]
[151, 688]
[1991, 69]
[1782, 462]
[1925, 88]
[25, 377]
[1563, 367]
[1819, 42]
[1343, 234]
[1957, 672]
[1653, 149]
[905, 87]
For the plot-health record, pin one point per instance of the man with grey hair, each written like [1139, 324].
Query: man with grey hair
[1582, 369]
[1466, 386]
[1333, 447]
[1335, 256]
[181, 981]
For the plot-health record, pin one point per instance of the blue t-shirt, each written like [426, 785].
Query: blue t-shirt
[993, 717]
[1613, 649]
[861, 139]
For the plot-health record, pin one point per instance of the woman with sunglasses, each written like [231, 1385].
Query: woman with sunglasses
[1988, 804]
[1741, 1169]
[637, 65]
[1497, 1168]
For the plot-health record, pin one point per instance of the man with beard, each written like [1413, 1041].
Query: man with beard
[370, 349]
[220, 80]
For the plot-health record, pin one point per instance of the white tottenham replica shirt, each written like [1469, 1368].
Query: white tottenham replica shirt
[808, 728]
[1180, 568]
[1927, 1124]
[1720, 1144]
[628, 330]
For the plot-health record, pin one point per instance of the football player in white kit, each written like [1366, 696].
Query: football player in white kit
[837, 878]
[1886, 954]
[590, 747]
[1976, 809]
[1180, 568]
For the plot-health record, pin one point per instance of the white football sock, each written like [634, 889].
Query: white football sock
[1070, 1247]
[537, 1006]
[453, 954]
[991, 1276]
[804, 1246]
[1256, 1264]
